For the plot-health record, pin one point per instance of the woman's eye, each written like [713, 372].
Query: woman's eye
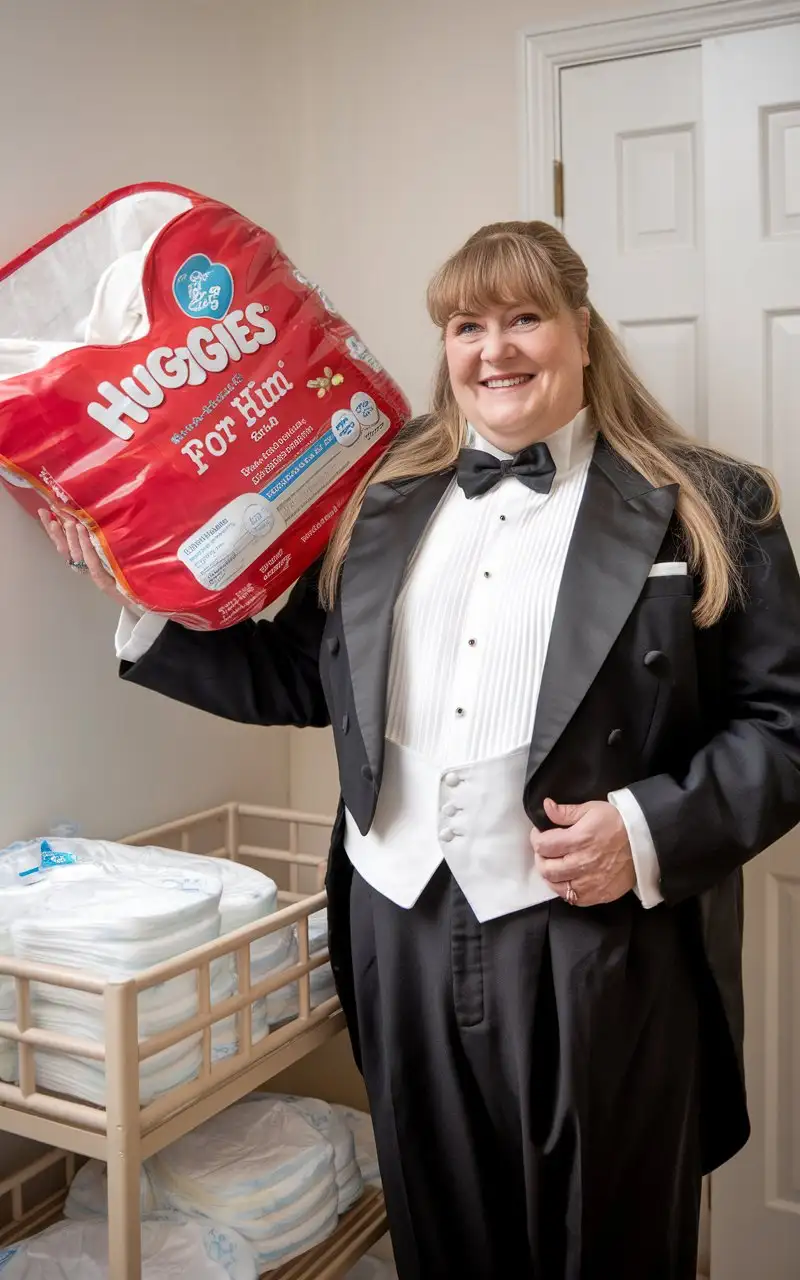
[466, 329]
[528, 318]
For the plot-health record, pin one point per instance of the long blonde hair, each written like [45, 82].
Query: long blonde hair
[520, 262]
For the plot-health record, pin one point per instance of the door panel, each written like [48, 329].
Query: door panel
[752, 123]
[682, 192]
[632, 148]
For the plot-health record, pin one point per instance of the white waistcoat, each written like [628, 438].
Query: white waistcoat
[469, 815]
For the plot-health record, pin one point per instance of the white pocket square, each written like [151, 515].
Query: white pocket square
[666, 567]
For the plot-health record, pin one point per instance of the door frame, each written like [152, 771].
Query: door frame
[543, 52]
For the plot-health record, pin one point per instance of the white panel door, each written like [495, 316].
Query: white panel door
[752, 142]
[631, 145]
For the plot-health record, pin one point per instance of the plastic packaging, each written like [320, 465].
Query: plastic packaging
[334, 1128]
[172, 1245]
[259, 1167]
[171, 380]
[360, 1125]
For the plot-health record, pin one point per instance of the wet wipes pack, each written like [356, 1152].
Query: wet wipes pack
[170, 379]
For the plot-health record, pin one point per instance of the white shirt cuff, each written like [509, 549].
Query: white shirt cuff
[136, 633]
[645, 858]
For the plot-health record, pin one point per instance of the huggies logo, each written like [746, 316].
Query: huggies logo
[208, 349]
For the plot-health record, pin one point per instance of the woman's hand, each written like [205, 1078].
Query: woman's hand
[73, 544]
[587, 858]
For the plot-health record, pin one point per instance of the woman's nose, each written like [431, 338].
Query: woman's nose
[496, 346]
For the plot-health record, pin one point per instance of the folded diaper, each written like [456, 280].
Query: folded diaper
[360, 1125]
[335, 1129]
[113, 927]
[260, 1168]
[283, 1005]
[142, 905]
[172, 1246]
[88, 1193]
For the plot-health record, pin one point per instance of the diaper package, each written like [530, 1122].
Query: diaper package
[333, 1127]
[169, 379]
[260, 1168]
[172, 1245]
[360, 1125]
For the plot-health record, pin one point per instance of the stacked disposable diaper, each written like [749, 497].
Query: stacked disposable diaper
[169, 379]
[262, 1168]
[360, 1125]
[327, 1121]
[285, 1003]
[277, 1169]
[87, 1198]
[111, 911]
[172, 1246]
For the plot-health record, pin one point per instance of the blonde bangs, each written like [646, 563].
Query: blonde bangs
[504, 269]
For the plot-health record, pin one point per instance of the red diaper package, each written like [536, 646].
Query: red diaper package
[170, 379]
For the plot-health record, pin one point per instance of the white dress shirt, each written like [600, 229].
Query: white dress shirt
[479, 592]
[470, 633]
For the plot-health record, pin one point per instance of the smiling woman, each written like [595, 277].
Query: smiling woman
[527, 273]
[518, 376]
[556, 641]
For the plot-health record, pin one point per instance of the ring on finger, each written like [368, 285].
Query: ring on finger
[571, 895]
[80, 566]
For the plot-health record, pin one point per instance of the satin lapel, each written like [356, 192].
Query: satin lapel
[388, 528]
[621, 524]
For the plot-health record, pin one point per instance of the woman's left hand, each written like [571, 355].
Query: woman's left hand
[587, 858]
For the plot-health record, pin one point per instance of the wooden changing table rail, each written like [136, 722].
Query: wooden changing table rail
[358, 1230]
[122, 1133]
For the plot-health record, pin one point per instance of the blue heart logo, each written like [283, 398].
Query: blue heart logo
[203, 289]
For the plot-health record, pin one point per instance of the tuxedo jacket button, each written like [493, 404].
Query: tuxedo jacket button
[615, 736]
[654, 657]
[366, 773]
[345, 723]
[334, 645]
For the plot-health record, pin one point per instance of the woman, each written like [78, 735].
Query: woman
[557, 643]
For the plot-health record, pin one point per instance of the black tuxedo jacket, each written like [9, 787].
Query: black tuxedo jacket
[703, 726]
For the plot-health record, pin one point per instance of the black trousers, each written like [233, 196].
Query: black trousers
[534, 1087]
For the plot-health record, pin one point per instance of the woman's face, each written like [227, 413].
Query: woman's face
[516, 376]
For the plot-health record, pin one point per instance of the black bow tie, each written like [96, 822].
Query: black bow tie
[478, 472]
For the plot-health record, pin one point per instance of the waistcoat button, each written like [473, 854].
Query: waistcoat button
[654, 657]
[333, 645]
[366, 773]
[615, 736]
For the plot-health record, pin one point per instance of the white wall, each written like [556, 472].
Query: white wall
[95, 94]
[416, 110]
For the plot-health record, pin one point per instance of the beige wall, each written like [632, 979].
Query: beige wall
[416, 142]
[95, 94]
